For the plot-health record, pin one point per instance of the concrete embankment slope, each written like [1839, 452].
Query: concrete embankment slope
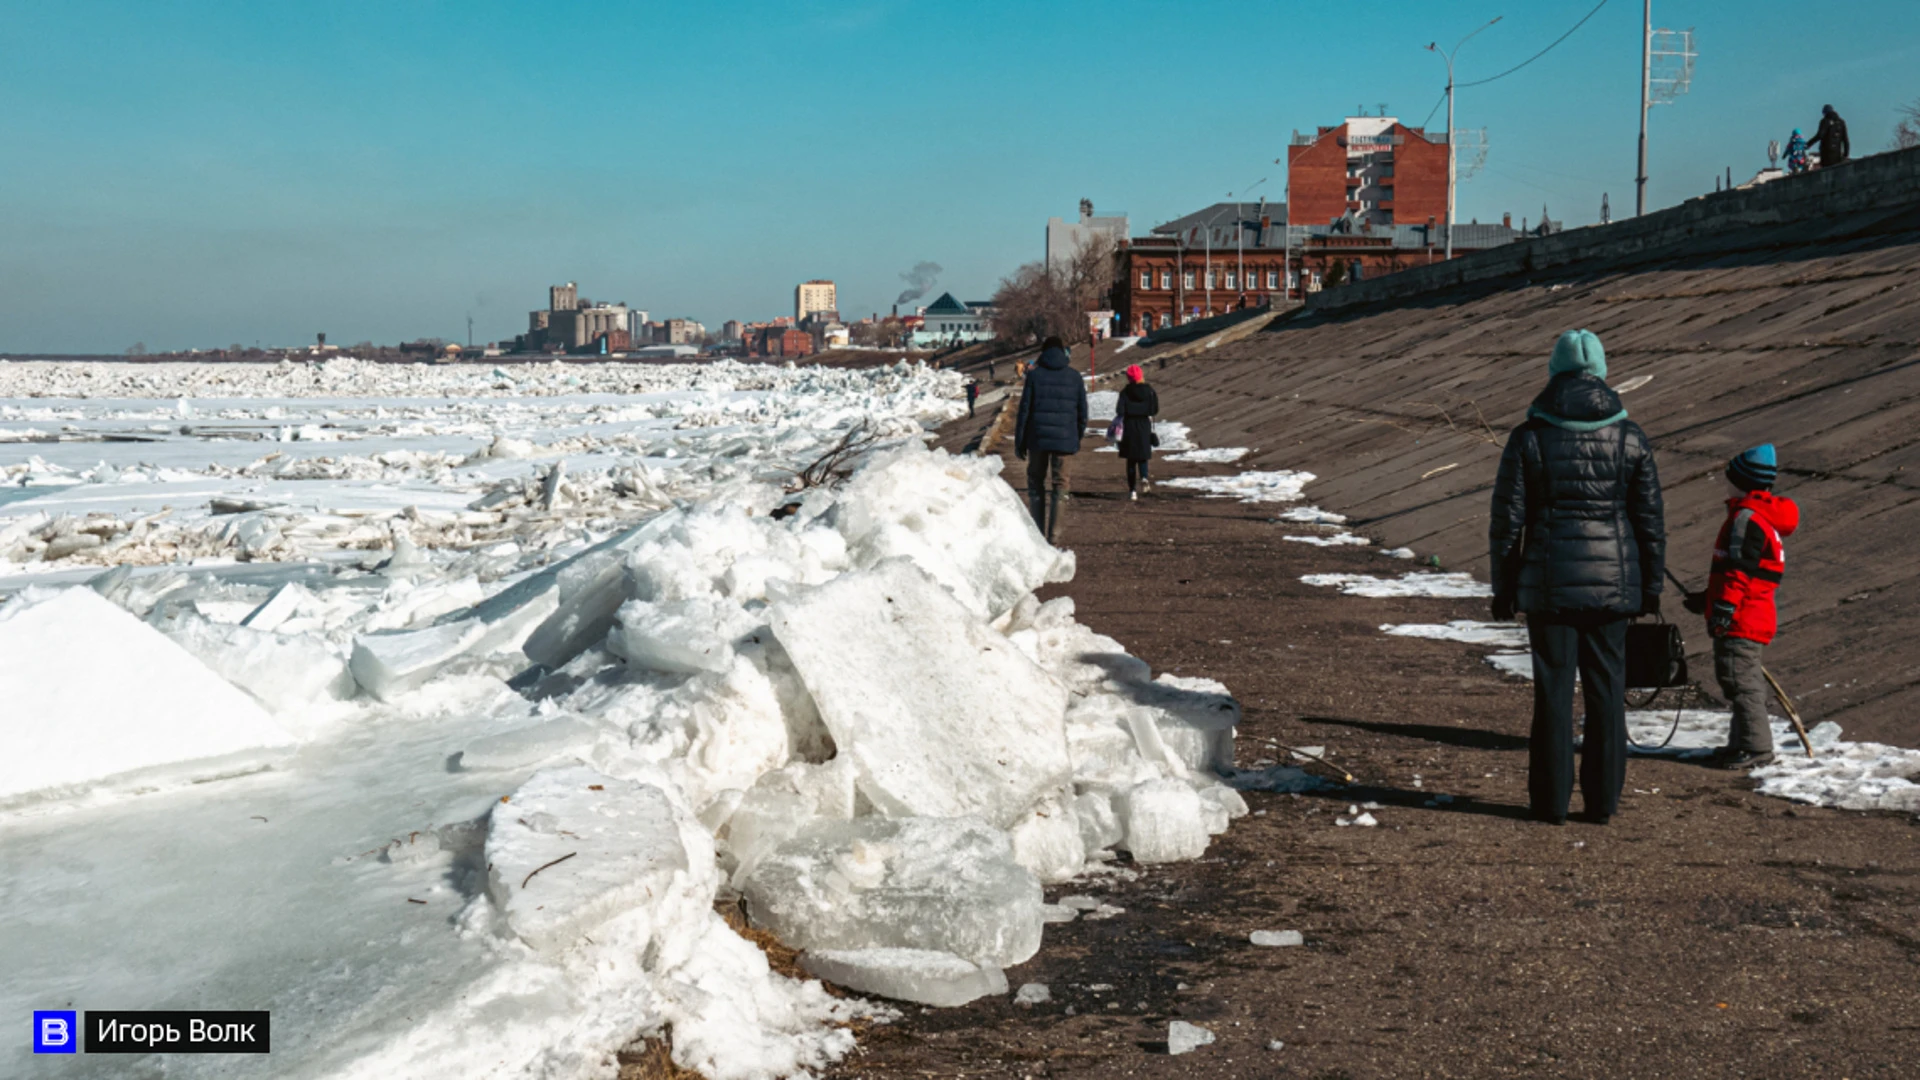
[1789, 313]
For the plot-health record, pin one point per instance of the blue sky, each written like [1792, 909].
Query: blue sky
[193, 173]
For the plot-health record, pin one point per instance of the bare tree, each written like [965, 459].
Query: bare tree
[138, 348]
[1906, 133]
[1037, 301]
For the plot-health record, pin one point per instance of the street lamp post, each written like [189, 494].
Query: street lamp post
[1452, 156]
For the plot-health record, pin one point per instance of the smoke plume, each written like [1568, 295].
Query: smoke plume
[919, 280]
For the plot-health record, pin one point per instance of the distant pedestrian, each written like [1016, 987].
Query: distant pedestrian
[973, 394]
[1796, 152]
[1137, 406]
[1749, 562]
[1831, 138]
[1047, 431]
[1578, 543]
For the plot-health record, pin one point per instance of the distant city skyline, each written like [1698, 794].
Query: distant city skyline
[195, 174]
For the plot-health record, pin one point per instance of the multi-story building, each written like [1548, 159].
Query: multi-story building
[730, 330]
[948, 321]
[1237, 255]
[685, 332]
[813, 296]
[1374, 168]
[1065, 239]
[575, 324]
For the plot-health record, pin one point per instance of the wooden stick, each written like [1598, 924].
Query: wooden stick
[537, 869]
[1793, 714]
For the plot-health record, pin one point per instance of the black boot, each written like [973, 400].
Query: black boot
[1053, 518]
[1037, 506]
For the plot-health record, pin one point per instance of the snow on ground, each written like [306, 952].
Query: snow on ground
[1339, 539]
[444, 752]
[1219, 455]
[1311, 515]
[1449, 586]
[1249, 487]
[1501, 635]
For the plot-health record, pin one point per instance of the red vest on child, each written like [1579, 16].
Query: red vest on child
[1750, 559]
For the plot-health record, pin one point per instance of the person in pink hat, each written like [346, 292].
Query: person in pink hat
[1138, 404]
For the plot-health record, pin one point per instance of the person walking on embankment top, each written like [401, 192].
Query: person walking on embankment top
[1137, 406]
[1047, 431]
[1749, 562]
[1578, 543]
[1831, 138]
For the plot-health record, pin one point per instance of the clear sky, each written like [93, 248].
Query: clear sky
[192, 174]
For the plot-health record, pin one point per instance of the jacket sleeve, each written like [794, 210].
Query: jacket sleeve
[1153, 402]
[1846, 145]
[1080, 388]
[1744, 552]
[1020, 418]
[1507, 527]
[1646, 511]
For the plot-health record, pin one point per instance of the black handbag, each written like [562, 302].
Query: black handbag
[1656, 656]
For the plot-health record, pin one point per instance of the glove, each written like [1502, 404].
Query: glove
[1721, 620]
[1695, 602]
[1650, 603]
[1503, 610]
[1020, 455]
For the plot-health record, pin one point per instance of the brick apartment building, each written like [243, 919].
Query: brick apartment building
[1237, 255]
[1374, 168]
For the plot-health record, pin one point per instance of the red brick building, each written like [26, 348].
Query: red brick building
[1374, 168]
[1237, 255]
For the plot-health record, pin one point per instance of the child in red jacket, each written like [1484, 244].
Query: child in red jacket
[1749, 561]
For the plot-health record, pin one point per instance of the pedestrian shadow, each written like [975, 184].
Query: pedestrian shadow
[1470, 738]
[1405, 799]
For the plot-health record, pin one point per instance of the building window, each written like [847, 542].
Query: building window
[1210, 278]
[1166, 279]
[1273, 279]
[1186, 279]
[1146, 279]
[1233, 280]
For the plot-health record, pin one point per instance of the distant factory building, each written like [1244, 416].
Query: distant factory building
[574, 324]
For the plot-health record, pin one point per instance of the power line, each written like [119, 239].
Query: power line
[1435, 109]
[1541, 53]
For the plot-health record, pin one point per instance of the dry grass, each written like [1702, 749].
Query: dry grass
[652, 1060]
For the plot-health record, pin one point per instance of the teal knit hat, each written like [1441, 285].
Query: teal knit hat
[1578, 351]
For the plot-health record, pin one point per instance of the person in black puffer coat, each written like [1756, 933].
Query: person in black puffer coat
[1831, 138]
[1047, 431]
[1577, 542]
[1137, 406]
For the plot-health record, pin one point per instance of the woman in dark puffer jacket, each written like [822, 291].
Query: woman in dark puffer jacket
[1578, 543]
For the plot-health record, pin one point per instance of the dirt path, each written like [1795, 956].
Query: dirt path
[1707, 932]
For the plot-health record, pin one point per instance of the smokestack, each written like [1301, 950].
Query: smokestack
[896, 311]
[1506, 220]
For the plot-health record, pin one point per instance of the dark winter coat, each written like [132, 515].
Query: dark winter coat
[1750, 560]
[1831, 138]
[1577, 519]
[1053, 408]
[1138, 402]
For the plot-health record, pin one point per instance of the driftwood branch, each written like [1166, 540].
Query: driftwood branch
[543, 866]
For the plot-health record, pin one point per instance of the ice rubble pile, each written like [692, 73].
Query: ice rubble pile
[847, 706]
[689, 429]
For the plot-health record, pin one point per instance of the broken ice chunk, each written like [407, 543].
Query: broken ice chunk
[918, 883]
[574, 847]
[942, 716]
[1032, 994]
[680, 636]
[924, 976]
[1047, 841]
[390, 663]
[90, 692]
[285, 672]
[529, 745]
[1166, 822]
[1183, 1037]
[1277, 938]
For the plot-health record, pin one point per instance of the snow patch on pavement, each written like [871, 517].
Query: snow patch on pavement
[1249, 487]
[1443, 586]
